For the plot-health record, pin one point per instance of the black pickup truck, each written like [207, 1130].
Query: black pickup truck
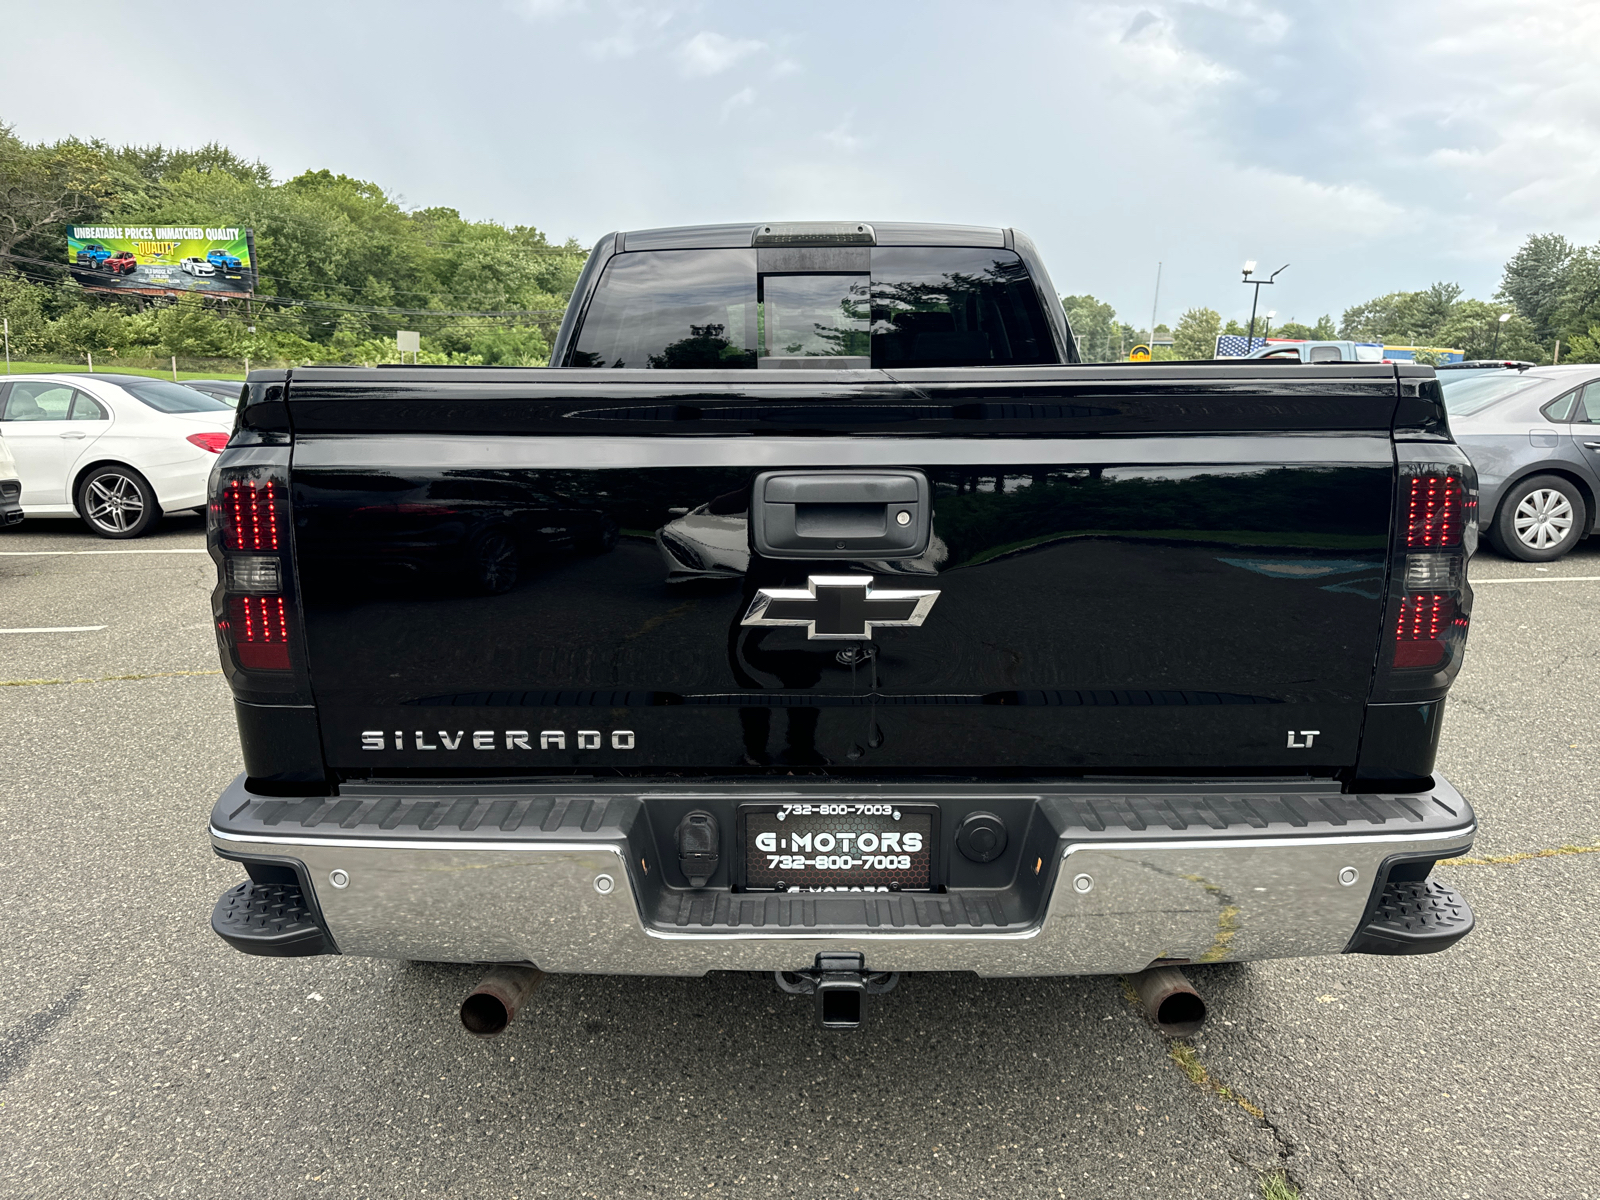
[817, 612]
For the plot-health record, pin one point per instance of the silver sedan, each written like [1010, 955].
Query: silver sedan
[1534, 436]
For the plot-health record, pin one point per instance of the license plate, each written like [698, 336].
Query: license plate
[822, 847]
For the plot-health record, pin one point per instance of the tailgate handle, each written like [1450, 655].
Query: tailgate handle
[834, 514]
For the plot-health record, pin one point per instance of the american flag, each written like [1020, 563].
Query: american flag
[1236, 345]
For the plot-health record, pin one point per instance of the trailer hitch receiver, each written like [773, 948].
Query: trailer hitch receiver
[841, 983]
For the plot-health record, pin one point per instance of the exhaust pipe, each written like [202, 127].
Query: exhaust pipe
[493, 1004]
[1170, 1001]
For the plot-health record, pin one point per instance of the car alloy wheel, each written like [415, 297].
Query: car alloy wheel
[494, 562]
[1543, 519]
[117, 503]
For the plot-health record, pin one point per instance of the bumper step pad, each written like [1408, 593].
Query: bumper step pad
[1414, 918]
[271, 919]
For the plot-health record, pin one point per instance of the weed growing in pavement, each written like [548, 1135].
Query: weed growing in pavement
[1500, 860]
[1277, 1187]
[101, 679]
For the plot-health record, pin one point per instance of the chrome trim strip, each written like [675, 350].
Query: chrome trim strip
[1466, 831]
[417, 843]
[1337, 839]
[408, 451]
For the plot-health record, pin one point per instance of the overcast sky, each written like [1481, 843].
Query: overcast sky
[1373, 146]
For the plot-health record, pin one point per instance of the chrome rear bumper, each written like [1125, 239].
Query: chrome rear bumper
[583, 892]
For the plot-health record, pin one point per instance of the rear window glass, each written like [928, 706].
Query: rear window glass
[692, 309]
[1463, 397]
[171, 397]
[919, 307]
[954, 306]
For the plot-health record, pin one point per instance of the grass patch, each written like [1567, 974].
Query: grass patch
[1277, 1187]
[1188, 1060]
[111, 368]
[1501, 860]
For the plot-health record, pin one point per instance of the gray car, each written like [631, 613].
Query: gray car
[1534, 436]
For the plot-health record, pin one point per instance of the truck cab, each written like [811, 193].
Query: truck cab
[1309, 351]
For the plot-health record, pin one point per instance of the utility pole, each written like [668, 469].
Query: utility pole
[8, 345]
[1153, 305]
[1258, 284]
[1499, 325]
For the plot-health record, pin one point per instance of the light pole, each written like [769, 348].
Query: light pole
[1266, 332]
[1499, 325]
[1258, 284]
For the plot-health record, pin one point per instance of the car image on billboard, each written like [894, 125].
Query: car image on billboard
[155, 258]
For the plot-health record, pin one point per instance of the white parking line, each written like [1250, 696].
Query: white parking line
[1542, 579]
[54, 553]
[57, 629]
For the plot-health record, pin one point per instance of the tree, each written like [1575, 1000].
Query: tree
[44, 187]
[1473, 325]
[1324, 330]
[1094, 326]
[1295, 330]
[1196, 336]
[1402, 318]
[1582, 347]
[1536, 279]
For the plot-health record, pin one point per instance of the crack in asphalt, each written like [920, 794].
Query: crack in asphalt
[101, 678]
[1503, 860]
[17, 1045]
[1187, 1059]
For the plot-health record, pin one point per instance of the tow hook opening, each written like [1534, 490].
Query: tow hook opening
[841, 984]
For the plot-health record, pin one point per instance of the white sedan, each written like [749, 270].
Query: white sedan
[116, 450]
[197, 266]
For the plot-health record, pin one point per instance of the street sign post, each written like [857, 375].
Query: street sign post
[1140, 353]
[408, 340]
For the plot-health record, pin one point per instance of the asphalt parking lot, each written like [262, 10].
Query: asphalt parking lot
[141, 1057]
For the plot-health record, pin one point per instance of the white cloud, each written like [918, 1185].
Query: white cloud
[542, 9]
[841, 138]
[743, 98]
[711, 53]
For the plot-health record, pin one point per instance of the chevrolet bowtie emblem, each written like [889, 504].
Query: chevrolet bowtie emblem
[839, 607]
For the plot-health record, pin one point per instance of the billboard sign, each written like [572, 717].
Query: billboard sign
[163, 258]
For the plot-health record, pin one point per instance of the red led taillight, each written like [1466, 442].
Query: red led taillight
[1435, 512]
[1419, 638]
[250, 515]
[215, 442]
[259, 626]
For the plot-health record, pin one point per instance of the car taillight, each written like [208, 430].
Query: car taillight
[215, 442]
[259, 626]
[250, 514]
[255, 606]
[1434, 512]
[1430, 601]
[1419, 636]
